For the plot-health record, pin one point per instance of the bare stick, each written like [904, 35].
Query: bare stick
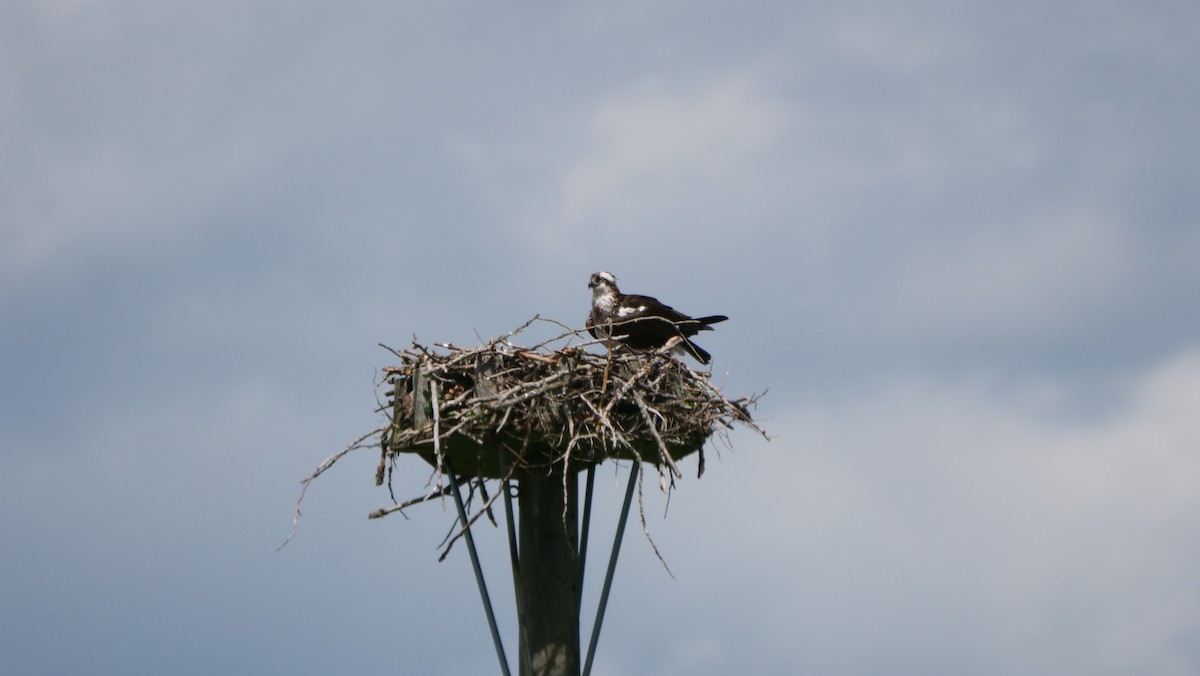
[646, 528]
[384, 511]
[480, 512]
[663, 451]
[437, 427]
[329, 462]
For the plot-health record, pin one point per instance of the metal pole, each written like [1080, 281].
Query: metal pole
[586, 523]
[612, 566]
[515, 559]
[483, 593]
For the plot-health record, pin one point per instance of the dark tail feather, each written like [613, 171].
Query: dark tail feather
[696, 351]
[711, 319]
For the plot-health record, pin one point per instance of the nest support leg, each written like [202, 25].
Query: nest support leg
[522, 590]
[634, 469]
[483, 592]
[585, 523]
[514, 558]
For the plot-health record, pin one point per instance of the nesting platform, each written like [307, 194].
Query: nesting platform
[498, 408]
[533, 417]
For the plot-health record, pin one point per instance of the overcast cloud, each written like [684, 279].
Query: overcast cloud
[959, 242]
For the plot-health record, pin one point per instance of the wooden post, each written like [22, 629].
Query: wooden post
[550, 571]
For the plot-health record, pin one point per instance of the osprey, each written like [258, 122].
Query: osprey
[642, 323]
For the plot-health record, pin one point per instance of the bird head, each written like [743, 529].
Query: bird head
[601, 282]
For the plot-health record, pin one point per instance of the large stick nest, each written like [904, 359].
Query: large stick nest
[499, 408]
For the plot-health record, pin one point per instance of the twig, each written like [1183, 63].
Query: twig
[384, 511]
[437, 425]
[663, 452]
[329, 462]
[486, 506]
[646, 528]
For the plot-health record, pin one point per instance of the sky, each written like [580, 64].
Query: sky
[958, 244]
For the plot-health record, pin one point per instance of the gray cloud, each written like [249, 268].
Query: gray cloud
[956, 242]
